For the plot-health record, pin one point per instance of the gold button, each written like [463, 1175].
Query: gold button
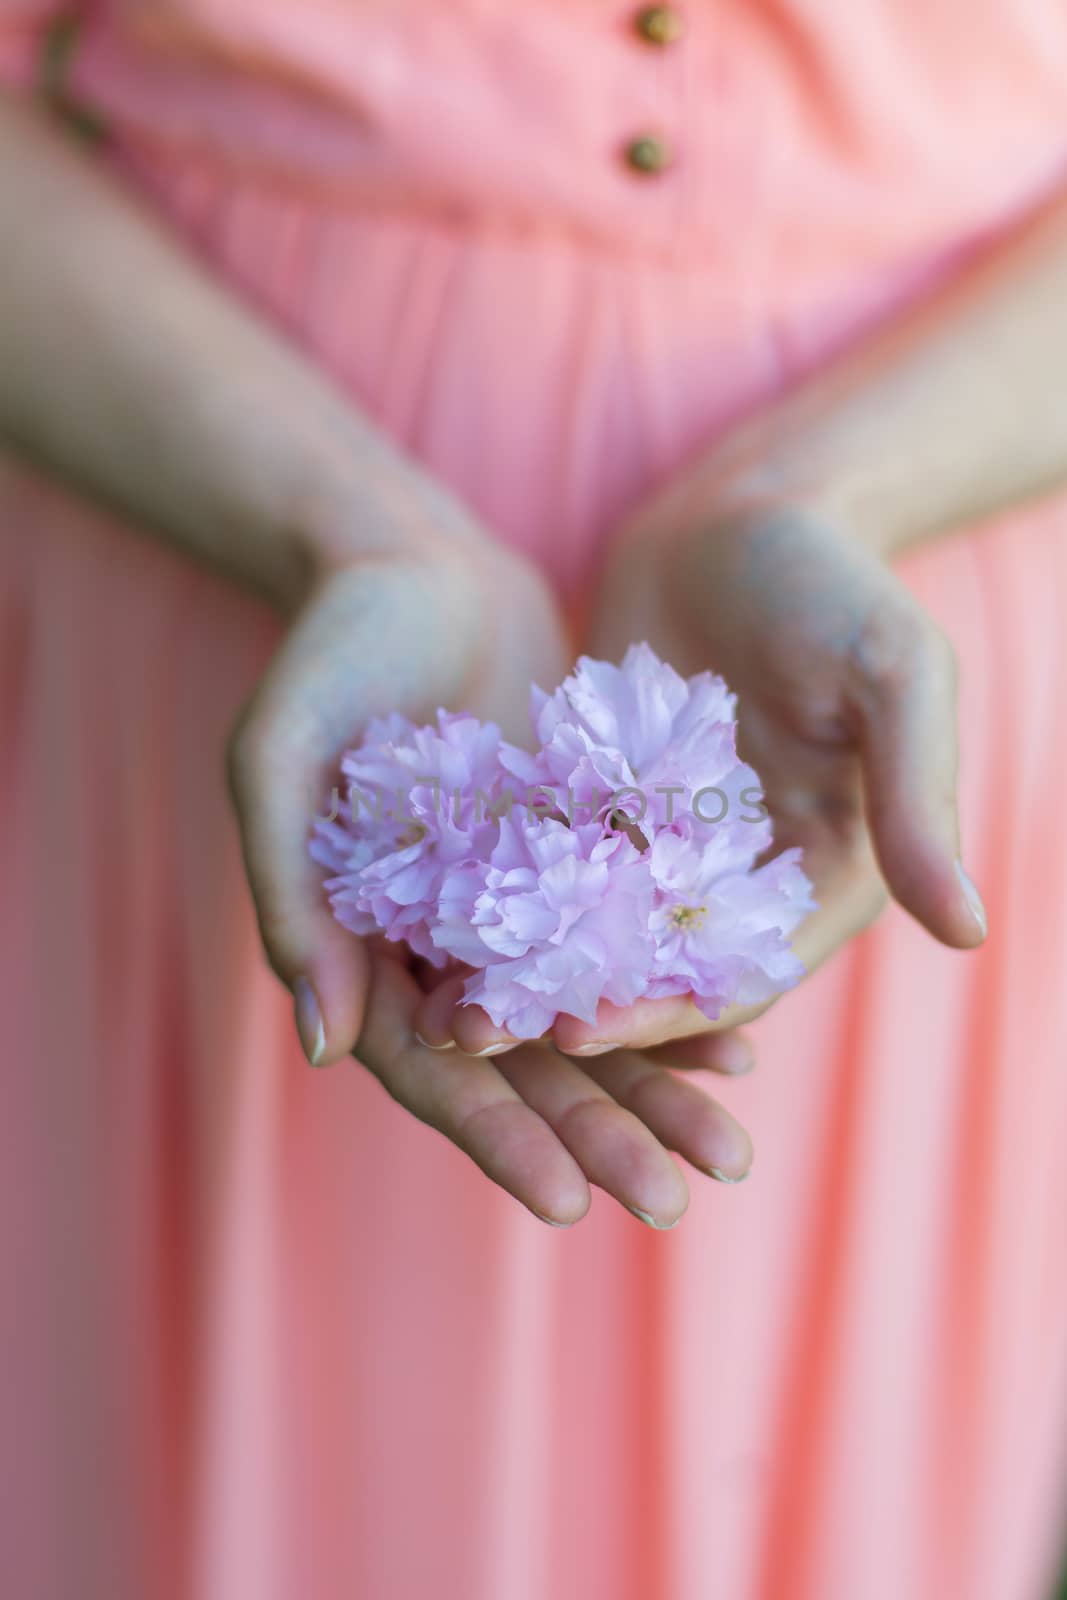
[659, 24]
[648, 154]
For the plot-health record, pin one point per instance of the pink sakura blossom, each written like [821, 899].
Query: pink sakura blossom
[554, 913]
[556, 920]
[417, 801]
[641, 727]
[723, 936]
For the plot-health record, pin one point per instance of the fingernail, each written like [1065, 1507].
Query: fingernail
[591, 1049]
[449, 1044]
[498, 1048]
[309, 1021]
[724, 1177]
[973, 898]
[735, 1056]
[552, 1222]
[660, 1227]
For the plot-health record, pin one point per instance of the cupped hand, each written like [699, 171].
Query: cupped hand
[437, 614]
[847, 711]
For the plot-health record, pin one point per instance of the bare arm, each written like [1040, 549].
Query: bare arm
[955, 411]
[129, 371]
[126, 369]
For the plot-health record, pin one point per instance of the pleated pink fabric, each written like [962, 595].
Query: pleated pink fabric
[264, 1336]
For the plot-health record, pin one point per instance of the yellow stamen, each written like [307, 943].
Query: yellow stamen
[688, 916]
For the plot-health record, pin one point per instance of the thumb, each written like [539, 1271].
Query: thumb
[909, 749]
[278, 774]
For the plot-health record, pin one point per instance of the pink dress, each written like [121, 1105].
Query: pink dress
[265, 1336]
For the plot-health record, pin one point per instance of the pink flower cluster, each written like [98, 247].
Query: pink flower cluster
[581, 873]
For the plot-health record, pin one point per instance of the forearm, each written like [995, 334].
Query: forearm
[953, 413]
[127, 370]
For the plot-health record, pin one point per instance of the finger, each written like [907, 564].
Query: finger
[679, 1113]
[469, 1102]
[613, 1146]
[643, 1025]
[278, 759]
[446, 1022]
[476, 1032]
[729, 1053]
[849, 899]
[612, 1149]
[435, 1015]
[909, 750]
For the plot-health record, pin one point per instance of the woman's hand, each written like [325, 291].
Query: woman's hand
[464, 623]
[847, 708]
[847, 711]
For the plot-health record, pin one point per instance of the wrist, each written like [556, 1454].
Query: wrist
[861, 504]
[361, 500]
[824, 452]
